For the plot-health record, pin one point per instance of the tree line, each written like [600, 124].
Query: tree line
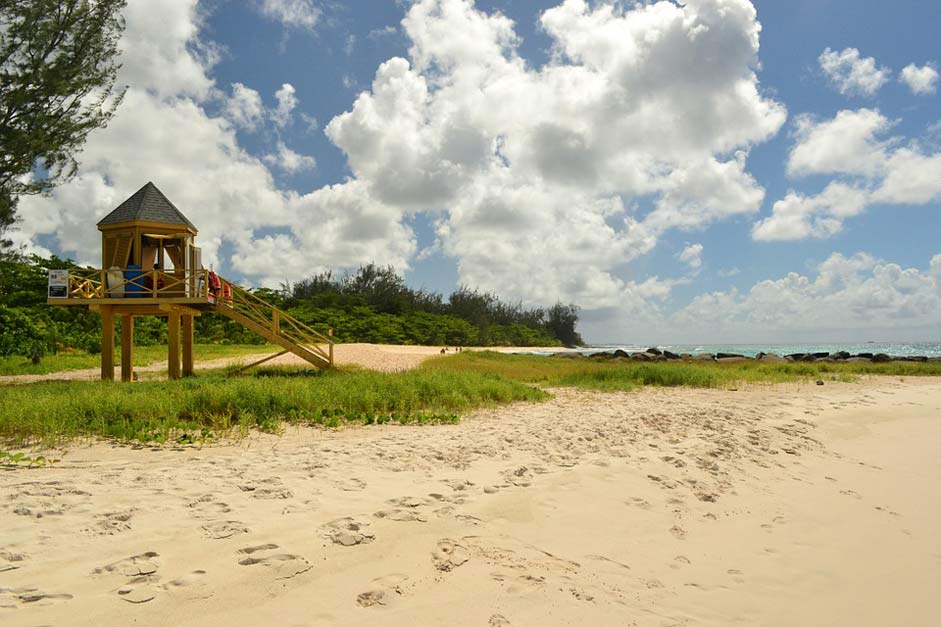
[372, 304]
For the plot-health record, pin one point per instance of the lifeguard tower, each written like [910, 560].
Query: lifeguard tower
[151, 266]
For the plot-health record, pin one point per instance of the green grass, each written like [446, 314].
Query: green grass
[617, 375]
[202, 408]
[188, 410]
[143, 356]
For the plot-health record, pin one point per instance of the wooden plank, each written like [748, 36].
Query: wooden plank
[259, 362]
[107, 344]
[173, 346]
[127, 348]
[188, 346]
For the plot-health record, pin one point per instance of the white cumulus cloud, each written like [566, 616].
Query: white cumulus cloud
[534, 172]
[851, 74]
[870, 168]
[289, 161]
[846, 297]
[692, 256]
[304, 14]
[921, 80]
[244, 107]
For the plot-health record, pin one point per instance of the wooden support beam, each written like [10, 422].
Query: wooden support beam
[107, 344]
[127, 348]
[187, 346]
[173, 346]
[258, 363]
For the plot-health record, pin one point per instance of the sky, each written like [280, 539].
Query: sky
[707, 171]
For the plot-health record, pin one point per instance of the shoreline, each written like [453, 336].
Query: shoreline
[774, 505]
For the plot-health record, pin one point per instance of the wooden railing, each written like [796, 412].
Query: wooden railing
[275, 322]
[143, 284]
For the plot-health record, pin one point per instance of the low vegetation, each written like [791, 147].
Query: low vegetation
[143, 356]
[200, 408]
[621, 375]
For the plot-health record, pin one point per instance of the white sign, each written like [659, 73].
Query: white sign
[58, 284]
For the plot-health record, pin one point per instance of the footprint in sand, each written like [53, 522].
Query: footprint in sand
[223, 529]
[409, 509]
[267, 489]
[113, 522]
[134, 566]
[351, 484]
[678, 532]
[499, 620]
[521, 477]
[12, 598]
[190, 587]
[142, 570]
[10, 560]
[207, 506]
[347, 532]
[449, 555]
[371, 597]
[280, 565]
[385, 589]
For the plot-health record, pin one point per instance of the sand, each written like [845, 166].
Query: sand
[382, 357]
[770, 505]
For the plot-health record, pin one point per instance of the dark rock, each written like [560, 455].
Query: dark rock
[841, 355]
[640, 357]
[918, 358]
[654, 351]
[727, 355]
[670, 355]
[821, 355]
[796, 356]
[770, 358]
[881, 358]
[602, 356]
[819, 382]
[865, 355]
[620, 353]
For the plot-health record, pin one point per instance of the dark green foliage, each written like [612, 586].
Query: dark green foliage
[375, 305]
[371, 305]
[57, 72]
[21, 335]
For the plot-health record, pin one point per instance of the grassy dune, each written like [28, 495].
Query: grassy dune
[618, 375]
[161, 411]
[214, 403]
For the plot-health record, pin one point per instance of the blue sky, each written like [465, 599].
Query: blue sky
[807, 246]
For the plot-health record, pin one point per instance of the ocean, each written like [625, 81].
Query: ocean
[928, 349]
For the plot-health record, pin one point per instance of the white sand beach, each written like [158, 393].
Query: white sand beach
[770, 505]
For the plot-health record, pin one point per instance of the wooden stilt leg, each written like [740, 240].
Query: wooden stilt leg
[127, 348]
[187, 346]
[173, 349]
[107, 344]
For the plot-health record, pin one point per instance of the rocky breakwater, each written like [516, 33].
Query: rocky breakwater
[656, 354]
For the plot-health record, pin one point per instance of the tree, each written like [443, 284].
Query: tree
[561, 321]
[58, 64]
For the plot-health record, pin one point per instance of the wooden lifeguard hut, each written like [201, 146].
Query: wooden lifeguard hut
[151, 266]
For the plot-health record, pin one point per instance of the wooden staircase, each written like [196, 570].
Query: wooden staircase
[274, 325]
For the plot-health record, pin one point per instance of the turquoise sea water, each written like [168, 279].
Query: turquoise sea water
[928, 349]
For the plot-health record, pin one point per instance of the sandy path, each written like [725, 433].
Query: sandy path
[383, 357]
[787, 505]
